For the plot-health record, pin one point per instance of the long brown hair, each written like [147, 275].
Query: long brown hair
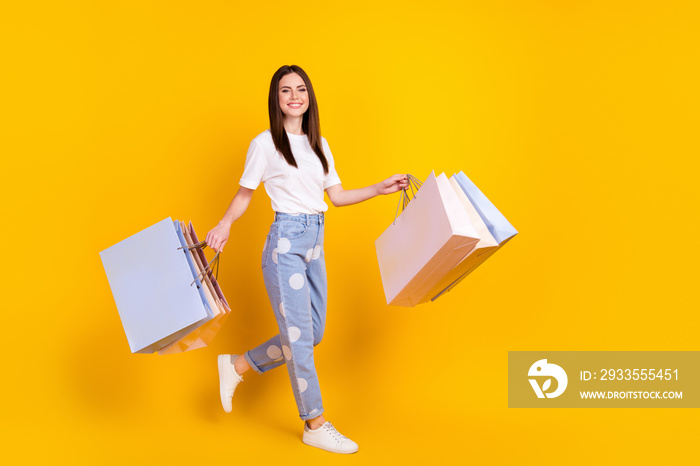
[310, 123]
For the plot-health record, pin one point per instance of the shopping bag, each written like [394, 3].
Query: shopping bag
[151, 277]
[430, 236]
[499, 229]
[204, 335]
[486, 246]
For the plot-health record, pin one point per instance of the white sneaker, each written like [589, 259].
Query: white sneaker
[228, 379]
[328, 438]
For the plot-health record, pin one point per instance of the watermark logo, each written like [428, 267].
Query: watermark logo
[603, 379]
[542, 369]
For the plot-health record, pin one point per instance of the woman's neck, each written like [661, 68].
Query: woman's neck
[293, 125]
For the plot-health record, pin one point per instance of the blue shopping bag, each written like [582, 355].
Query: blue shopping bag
[151, 277]
[498, 225]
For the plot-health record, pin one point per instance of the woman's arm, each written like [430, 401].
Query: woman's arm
[342, 197]
[217, 236]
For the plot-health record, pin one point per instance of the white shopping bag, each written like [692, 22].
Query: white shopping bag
[486, 246]
[430, 237]
[499, 229]
[151, 280]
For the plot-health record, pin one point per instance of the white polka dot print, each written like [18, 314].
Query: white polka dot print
[294, 334]
[308, 255]
[303, 384]
[287, 352]
[274, 255]
[282, 309]
[274, 352]
[283, 246]
[296, 281]
[317, 252]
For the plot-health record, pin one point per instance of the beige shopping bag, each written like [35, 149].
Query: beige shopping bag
[204, 335]
[428, 239]
[214, 280]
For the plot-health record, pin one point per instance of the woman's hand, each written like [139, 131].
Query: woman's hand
[218, 236]
[393, 184]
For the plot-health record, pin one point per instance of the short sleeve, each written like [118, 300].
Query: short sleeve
[332, 178]
[255, 165]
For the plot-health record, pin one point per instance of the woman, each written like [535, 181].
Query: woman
[295, 164]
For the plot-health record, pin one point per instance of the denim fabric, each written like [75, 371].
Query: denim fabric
[294, 271]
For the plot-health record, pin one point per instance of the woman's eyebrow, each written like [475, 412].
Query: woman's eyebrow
[289, 87]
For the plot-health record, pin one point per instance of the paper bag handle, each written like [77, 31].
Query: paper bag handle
[208, 270]
[413, 182]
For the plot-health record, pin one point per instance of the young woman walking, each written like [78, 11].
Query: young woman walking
[295, 165]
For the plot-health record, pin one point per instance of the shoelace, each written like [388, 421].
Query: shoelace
[334, 432]
[230, 391]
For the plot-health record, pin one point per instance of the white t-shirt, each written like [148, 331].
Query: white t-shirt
[291, 190]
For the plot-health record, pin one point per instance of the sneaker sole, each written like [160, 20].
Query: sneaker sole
[320, 447]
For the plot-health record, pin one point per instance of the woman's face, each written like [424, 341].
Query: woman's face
[293, 95]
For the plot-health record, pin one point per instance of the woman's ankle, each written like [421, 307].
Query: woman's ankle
[315, 423]
[241, 365]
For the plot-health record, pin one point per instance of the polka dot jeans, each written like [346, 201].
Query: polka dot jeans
[294, 270]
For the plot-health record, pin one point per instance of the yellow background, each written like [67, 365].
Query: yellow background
[577, 118]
